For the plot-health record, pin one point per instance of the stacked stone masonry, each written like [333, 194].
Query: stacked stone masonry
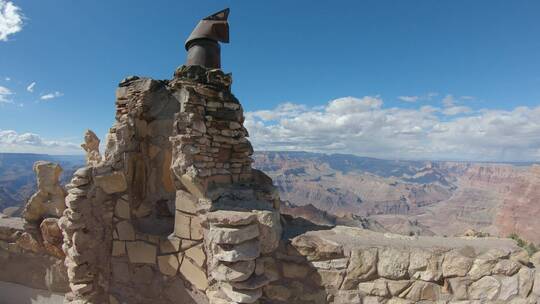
[173, 213]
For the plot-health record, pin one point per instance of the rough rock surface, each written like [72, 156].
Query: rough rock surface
[49, 198]
[91, 147]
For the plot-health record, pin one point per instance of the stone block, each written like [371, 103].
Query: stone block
[246, 251]
[397, 287]
[186, 202]
[81, 289]
[233, 272]
[118, 248]
[487, 288]
[526, 280]
[169, 245]
[509, 288]
[141, 252]
[196, 254]
[111, 183]
[456, 265]
[125, 231]
[194, 186]
[348, 297]
[235, 235]
[459, 286]
[269, 230]
[166, 175]
[393, 263]
[362, 267]
[374, 288]
[51, 232]
[521, 256]
[481, 268]
[241, 295]
[122, 210]
[421, 290]
[331, 264]
[231, 218]
[193, 274]
[536, 284]
[506, 267]
[182, 225]
[168, 264]
[315, 248]
[254, 282]
[196, 229]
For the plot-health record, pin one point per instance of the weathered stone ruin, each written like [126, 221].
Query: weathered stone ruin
[174, 213]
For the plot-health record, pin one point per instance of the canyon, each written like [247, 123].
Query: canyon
[399, 196]
[409, 197]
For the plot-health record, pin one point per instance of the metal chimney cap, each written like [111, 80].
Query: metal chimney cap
[214, 27]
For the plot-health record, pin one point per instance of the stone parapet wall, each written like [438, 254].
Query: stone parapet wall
[350, 265]
[24, 260]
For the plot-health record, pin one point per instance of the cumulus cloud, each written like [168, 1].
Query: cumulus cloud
[451, 106]
[12, 141]
[363, 126]
[49, 96]
[455, 110]
[4, 95]
[30, 87]
[11, 19]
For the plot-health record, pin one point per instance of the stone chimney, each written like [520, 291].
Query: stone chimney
[173, 210]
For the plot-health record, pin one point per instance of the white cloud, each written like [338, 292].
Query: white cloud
[4, 95]
[364, 126]
[11, 141]
[11, 19]
[455, 110]
[30, 87]
[414, 98]
[7, 78]
[451, 106]
[51, 95]
[449, 101]
[409, 98]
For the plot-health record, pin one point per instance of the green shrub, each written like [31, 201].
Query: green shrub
[529, 247]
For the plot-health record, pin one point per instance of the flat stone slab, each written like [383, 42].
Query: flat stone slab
[355, 238]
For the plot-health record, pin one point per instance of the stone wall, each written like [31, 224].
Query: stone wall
[351, 265]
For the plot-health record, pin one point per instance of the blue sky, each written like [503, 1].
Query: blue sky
[396, 79]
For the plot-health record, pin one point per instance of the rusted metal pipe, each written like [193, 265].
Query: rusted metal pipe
[203, 43]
